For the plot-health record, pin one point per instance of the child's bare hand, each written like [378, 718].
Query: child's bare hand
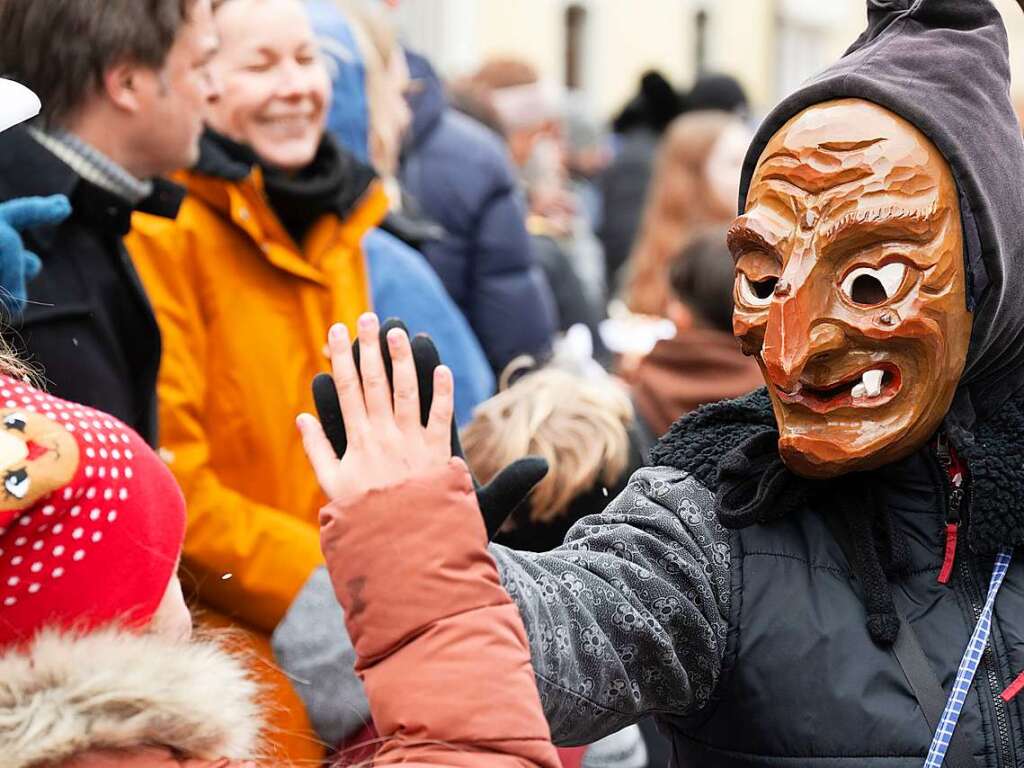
[386, 443]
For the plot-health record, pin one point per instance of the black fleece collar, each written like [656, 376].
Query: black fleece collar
[716, 437]
[334, 182]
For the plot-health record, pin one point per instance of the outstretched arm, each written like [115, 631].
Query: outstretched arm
[628, 617]
[439, 645]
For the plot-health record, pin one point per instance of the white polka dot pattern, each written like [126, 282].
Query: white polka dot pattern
[59, 531]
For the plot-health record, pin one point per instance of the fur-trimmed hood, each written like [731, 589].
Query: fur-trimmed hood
[65, 695]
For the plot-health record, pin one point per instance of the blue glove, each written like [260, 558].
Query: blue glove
[17, 265]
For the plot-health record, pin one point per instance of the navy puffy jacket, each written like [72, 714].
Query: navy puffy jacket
[460, 174]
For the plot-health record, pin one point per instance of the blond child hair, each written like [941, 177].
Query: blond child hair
[580, 426]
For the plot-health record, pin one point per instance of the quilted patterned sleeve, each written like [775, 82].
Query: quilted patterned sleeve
[628, 617]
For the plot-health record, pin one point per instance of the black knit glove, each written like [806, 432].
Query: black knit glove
[509, 489]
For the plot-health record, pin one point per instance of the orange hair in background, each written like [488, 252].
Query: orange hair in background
[679, 202]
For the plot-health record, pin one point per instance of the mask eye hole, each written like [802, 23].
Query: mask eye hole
[757, 293]
[15, 421]
[868, 287]
[17, 483]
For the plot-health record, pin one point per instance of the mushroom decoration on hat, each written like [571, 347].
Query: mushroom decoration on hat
[91, 521]
[17, 104]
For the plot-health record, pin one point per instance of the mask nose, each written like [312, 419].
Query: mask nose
[797, 332]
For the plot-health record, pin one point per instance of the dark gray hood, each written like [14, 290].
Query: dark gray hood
[943, 65]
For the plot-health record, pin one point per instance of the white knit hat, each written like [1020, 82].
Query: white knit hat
[17, 104]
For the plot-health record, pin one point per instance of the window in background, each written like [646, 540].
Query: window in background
[700, 41]
[804, 29]
[575, 46]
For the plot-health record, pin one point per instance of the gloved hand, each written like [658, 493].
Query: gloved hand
[18, 265]
[499, 498]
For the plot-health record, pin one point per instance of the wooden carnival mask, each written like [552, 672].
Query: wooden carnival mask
[850, 286]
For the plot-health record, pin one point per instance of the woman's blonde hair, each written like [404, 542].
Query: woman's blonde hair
[679, 202]
[579, 426]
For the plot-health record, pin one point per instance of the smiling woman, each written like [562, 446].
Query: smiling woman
[275, 85]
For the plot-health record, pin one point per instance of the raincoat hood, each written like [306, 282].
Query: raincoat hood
[349, 117]
[943, 65]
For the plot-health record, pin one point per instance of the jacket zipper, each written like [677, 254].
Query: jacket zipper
[954, 498]
[955, 495]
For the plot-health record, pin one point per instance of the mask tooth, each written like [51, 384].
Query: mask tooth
[873, 382]
[858, 391]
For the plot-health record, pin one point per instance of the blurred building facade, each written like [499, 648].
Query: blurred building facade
[601, 47]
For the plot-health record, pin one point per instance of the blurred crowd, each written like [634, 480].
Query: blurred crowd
[243, 174]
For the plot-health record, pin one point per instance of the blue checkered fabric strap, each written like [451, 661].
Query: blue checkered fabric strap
[968, 667]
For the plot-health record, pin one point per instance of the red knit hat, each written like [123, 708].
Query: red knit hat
[91, 521]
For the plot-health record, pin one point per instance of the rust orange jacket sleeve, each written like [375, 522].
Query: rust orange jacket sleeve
[440, 645]
[268, 553]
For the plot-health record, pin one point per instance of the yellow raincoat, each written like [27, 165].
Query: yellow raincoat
[244, 314]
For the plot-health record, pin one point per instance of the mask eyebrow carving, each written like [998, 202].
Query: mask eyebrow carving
[839, 147]
[873, 226]
[742, 236]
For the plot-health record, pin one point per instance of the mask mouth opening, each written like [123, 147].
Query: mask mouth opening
[871, 387]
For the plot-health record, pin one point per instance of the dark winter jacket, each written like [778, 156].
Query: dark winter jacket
[88, 325]
[654, 607]
[572, 305]
[460, 174]
[623, 188]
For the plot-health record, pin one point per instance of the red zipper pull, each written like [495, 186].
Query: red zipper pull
[952, 533]
[1013, 689]
[955, 471]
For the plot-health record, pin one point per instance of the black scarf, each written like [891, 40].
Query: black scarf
[732, 448]
[333, 182]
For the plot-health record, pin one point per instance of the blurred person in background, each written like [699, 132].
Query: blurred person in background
[124, 89]
[588, 154]
[533, 119]
[385, 85]
[637, 130]
[265, 256]
[703, 363]
[473, 99]
[460, 175]
[402, 283]
[387, 82]
[718, 91]
[457, 195]
[526, 106]
[695, 184]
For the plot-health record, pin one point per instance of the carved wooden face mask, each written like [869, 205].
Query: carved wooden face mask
[850, 286]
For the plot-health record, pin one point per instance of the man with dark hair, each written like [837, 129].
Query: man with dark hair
[124, 85]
